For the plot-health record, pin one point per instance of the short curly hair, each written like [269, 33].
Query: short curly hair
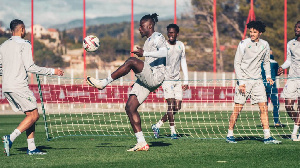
[14, 23]
[258, 25]
[173, 26]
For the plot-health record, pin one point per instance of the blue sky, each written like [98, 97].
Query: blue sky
[51, 12]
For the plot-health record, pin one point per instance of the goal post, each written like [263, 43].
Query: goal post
[42, 106]
[72, 108]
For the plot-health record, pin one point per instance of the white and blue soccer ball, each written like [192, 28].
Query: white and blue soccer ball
[91, 43]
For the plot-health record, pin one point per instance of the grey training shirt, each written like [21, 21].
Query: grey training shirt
[293, 58]
[248, 59]
[16, 61]
[155, 52]
[176, 56]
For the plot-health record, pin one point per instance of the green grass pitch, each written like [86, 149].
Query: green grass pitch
[110, 151]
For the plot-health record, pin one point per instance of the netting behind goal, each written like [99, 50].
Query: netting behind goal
[72, 108]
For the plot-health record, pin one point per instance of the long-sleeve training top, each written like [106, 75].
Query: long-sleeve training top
[248, 59]
[176, 56]
[155, 53]
[16, 61]
[293, 58]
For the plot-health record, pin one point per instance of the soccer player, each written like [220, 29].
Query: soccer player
[172, 85]
[247, 64]
[291, 89]
[272, 91]
[16, 61]
[150, 74]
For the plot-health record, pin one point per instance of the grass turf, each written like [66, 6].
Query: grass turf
[110, 151]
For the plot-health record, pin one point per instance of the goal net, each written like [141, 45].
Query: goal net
[72, 108]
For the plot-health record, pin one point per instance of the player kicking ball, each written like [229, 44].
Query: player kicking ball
[172, 85]
[291, 89]
[15, 62]
[250, 53]
[150, 75]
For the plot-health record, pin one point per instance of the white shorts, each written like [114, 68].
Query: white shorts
[291, 89]
[255, 90]
[147, 82]
[21, 100]
[172, 89]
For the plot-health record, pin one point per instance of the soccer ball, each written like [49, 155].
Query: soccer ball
[91, 43]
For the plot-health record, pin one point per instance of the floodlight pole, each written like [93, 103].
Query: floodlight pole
[32, 37]
[285, 34]
[251, 17]
[84, 35]
[132, 38]
[214, 38]
[175, 17]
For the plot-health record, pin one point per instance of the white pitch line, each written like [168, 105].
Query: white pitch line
[221, 161]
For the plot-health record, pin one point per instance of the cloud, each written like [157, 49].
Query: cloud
[50, 12]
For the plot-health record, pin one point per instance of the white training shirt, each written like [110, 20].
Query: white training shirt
[248, 58]
[293, 58]
[155, 53]
[176, 56]
[16, 61]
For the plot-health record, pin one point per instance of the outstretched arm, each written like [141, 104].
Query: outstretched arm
[161, 48]
[238, 61]
[33, 68]
[184, 69]
[287, 62]
[266, 65]
[161, 52]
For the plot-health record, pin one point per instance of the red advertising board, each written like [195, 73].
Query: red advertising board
[119, 94]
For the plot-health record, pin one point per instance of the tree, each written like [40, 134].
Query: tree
[45, 57]
[232, 16]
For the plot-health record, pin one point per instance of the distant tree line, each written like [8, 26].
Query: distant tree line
[196, 32]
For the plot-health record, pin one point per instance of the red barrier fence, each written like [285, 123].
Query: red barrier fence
[119, 94]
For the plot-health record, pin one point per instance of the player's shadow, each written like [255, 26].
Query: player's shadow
[253, 138]
[156, 144]
[178, 135]
[273, 126]
[42, 148]
[285, 136]
[108, 145]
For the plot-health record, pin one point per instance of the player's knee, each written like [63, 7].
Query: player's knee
[170, 113]
[176, 108]
[37, 117]
[129, 109]
[132, 60]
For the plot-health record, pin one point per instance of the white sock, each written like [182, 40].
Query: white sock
[267, 133]
[31, 144]
[108, 80]
[14, 135]
[295, 130]
[140, 137]
[172, 129]
[230, 133]
[159, 123]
